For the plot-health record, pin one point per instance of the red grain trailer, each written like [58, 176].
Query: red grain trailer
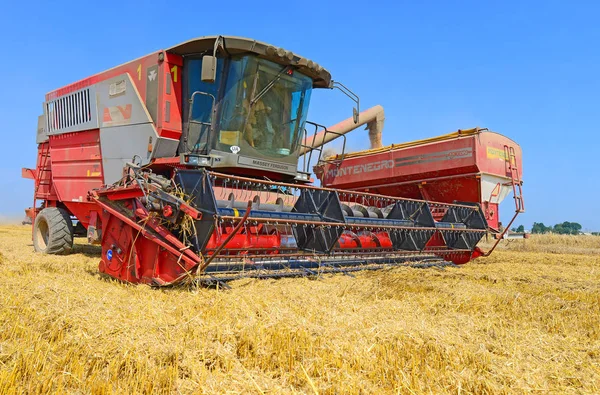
[475, 165]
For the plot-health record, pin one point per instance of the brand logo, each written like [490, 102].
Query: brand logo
[269, 164]
[242, 160]
[495, 153]
[360, 169]
[116, 115]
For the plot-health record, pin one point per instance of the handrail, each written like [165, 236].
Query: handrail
[449, 136]
[511, 162]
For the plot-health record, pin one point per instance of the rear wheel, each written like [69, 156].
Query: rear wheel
[53, 231]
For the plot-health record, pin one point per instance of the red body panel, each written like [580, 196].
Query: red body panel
[170, 103]
[76, 164]
[76, 169]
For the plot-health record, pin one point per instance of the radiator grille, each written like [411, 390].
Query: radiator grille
[72, 112]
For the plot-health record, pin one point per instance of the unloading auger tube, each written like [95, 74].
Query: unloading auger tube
[373, 118]
[162, 232]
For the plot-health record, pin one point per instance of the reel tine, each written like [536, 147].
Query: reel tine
[223, 190]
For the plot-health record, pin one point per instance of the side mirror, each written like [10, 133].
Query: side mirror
[351, 95]
[355, 114]
[209, 68]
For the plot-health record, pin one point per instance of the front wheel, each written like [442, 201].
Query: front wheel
[53, 231]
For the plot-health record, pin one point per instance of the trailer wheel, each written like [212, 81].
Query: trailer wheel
[53, 231]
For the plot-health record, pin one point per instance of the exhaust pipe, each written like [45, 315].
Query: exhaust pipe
[374, 118]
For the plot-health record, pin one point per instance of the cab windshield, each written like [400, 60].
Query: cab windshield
[264, 107]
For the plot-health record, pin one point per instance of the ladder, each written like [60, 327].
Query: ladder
[515, 180]
[40, 174]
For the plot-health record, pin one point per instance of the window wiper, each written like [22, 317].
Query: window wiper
[269, 85]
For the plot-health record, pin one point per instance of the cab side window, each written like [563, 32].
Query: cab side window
[201, 108]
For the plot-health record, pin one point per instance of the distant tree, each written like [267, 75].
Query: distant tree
[539, 227]
[567, 228]
[521, 229]
[559, 229]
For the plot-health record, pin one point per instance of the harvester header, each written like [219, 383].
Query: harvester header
[197, 159]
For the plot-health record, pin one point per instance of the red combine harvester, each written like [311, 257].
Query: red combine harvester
[186, 161]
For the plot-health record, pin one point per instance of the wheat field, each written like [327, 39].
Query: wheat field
[525, 320]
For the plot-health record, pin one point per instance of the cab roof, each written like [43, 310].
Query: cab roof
[240, 45]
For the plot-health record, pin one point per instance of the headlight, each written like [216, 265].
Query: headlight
[302, 177]
[193, 160]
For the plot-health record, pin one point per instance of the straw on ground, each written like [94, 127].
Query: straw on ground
[524, 320]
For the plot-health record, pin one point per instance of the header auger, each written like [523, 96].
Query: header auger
[185, 162]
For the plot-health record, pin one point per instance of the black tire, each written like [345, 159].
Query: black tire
[53, 231]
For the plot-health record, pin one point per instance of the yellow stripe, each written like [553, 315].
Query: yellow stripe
[236, 213]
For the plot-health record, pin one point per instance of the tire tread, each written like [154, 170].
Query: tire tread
[60, 229]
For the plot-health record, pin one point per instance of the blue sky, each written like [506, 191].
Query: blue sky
[528, 70]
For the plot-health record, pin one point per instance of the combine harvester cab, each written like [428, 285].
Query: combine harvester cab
[186, 162]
